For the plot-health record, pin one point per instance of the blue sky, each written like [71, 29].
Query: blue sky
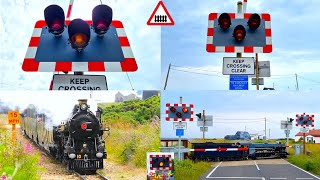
[55, 109]
[18, 17]
[295, 37]
[229, 108]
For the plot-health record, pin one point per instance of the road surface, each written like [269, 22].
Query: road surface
[270, 169]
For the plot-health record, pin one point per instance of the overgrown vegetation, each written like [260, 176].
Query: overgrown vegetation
[135, 130]
[189, 169]
[310, 162]
[17, 161]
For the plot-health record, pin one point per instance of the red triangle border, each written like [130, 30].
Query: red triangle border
[154, 12]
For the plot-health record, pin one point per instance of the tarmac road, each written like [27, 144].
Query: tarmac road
[273, 169]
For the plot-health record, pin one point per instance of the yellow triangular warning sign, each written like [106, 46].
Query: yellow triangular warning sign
[160, 16]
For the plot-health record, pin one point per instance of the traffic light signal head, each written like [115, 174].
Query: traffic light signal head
[101, 19]
[254, 21]
[55, 19]
[291, 119]
[239, 33]
[79, 34]
[198, 115]
[224, 21]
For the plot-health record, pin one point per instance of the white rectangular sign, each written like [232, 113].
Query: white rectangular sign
[286, 125]
[69, 82]
[179, 125]
[264, 69]
[238, 66]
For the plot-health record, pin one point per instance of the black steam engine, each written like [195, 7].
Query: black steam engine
[76, 142]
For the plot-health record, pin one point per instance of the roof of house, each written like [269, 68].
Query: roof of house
[312, 132]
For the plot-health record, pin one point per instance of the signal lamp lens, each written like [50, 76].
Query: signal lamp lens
[185, 110]
[254, 21]
[239, 33]
[79, 39]
[173, 109]
[301, 118]
[310, 118]
[224, 21]
[179, 114]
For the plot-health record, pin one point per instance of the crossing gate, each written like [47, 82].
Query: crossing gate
[219, 149]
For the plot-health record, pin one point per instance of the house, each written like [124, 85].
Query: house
[313, 136]
[120, 97]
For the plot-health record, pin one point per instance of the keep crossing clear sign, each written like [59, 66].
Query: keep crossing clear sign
[67, 82]
[238, 66]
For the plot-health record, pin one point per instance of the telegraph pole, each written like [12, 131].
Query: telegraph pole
[165, 84]
[297, 87]
[265, 127]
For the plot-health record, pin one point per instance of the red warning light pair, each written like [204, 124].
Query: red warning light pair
[239, 32]
[179, 114]
[78, 29]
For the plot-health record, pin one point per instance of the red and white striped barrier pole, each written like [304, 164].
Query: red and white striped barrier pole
[218, 149]
[67, 18]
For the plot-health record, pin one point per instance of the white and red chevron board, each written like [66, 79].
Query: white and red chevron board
[128, 65]
[240, 49]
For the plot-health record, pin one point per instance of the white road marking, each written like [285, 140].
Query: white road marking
[257, 165]
[304, 171]
[278, 178]
[259, 178]
[304, 178]
[213, 170]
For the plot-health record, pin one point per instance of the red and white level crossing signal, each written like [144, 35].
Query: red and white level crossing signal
[179, 112]
[242, 33]
[160, 162]
[305, 120]
[95, 45]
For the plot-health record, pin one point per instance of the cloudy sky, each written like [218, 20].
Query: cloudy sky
[59, 104]
[237, 111]
[295, 37]
[18, 17]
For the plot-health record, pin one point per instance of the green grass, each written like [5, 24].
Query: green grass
[309, 163]
[128, 143]
[190, 170]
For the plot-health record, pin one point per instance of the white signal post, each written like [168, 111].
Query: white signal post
[179, 141]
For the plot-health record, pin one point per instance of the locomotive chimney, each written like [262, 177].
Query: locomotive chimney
[82, 101]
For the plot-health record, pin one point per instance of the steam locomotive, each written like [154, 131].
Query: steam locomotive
[76, 142]
[237, 151]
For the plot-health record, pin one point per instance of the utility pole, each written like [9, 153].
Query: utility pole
[204, 121]
[265, 127]
[297, 87]
[165, 84]
[269, 134]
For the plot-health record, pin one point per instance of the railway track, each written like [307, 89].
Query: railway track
[91, 177]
